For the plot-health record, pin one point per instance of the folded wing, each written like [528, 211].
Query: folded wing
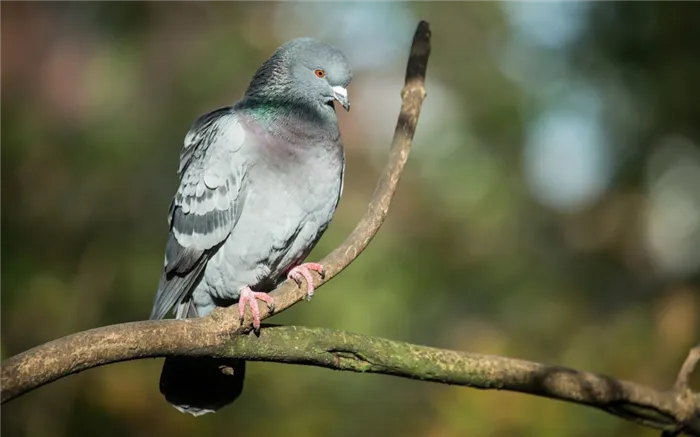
[205, 208]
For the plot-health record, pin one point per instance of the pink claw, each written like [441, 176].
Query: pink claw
[251, 297]
[304, 271]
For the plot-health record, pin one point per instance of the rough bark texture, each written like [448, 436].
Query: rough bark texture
[221, 334]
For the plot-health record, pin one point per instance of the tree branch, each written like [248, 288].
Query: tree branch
[222, 335]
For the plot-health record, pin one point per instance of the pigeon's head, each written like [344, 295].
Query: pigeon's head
[320, 71]
[305, 70]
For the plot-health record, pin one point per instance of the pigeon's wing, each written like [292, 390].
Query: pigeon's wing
[205, 208]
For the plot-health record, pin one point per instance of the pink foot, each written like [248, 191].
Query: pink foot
[304, 271]
[251, 297]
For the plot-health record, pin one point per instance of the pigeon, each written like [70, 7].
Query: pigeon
[259, 183]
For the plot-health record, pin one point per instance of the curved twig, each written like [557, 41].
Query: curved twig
[689, 420]
[688, 367]
[74, 353]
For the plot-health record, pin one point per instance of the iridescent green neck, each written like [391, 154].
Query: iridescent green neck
[293, 121]
[265, 111]
[285, 112]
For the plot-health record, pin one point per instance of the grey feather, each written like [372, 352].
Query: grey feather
[186, 310]
[179, 278]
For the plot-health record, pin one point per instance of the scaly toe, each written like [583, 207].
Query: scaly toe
[269, 301]
[318, 268]
[304, 270]
[296, 277]
[251, 298]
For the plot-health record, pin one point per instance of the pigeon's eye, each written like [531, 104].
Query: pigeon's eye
[320, 73]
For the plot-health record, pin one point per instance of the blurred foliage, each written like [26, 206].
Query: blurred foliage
[97, 98]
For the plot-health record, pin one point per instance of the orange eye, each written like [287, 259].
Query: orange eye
[320, 73]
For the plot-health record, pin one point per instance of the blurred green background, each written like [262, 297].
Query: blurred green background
[550, 210]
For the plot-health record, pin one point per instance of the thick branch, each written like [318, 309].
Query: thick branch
[665, 410]
[671, 411]
[51, 361]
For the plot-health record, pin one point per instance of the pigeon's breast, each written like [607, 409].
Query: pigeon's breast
[289, 201]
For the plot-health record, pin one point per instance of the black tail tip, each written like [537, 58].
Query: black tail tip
[201, 385]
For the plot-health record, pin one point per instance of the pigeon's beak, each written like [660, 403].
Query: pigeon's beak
[341, 95]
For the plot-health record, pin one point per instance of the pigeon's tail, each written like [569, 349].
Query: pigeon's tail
[201, 385]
